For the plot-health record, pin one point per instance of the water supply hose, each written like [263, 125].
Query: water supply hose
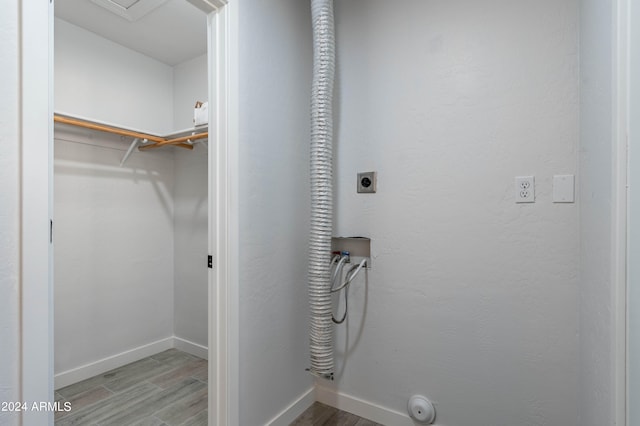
[351, 274]
[321, 325]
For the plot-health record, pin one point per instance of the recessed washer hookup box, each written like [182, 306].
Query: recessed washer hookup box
[358, 248]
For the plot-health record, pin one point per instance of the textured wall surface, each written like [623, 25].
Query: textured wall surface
[189, 85]
[596, 132]
[472, 299]
[275, 83]
[114, 249]
[634, 222]
[99, 79]
[9, 212]
[190, 231]
[190, 240]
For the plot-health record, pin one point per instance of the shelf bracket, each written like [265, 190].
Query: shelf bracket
[133, 146]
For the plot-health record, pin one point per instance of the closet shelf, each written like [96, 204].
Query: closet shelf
[179, 141]
[178, 138]
[92, 125]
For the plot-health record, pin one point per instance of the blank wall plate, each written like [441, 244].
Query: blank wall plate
[563, 189]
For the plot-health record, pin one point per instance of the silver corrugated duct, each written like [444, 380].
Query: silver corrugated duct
[321, 333]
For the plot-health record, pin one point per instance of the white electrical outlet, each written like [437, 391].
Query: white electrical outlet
[525, 189]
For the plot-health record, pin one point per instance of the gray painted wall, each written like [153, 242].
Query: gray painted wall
[634, 219]
[472, 299]
[595, 195]
[9, 213]
[274, 84]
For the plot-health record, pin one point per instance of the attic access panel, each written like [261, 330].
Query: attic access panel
[131, 10]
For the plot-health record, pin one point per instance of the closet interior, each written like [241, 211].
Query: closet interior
[130, 187]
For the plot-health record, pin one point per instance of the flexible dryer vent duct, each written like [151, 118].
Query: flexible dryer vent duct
[321, 333]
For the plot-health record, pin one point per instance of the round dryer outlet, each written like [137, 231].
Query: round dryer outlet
[421, 410]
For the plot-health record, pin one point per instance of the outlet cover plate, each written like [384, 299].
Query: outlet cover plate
[525, 189]
[367, 182]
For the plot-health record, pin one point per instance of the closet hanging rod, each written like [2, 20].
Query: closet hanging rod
[116, 130]
[103, 128]
[177, 141]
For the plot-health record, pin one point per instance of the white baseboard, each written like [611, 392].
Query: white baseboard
[297, 407]
[333, 398]
[190, 347]
[83, 372]
[362, 408]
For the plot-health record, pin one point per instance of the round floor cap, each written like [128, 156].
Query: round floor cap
[421, 410]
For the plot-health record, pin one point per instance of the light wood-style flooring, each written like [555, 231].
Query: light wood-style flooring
[166, 389]
[323, 415]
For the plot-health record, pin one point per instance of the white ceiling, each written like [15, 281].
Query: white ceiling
[172, 33]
